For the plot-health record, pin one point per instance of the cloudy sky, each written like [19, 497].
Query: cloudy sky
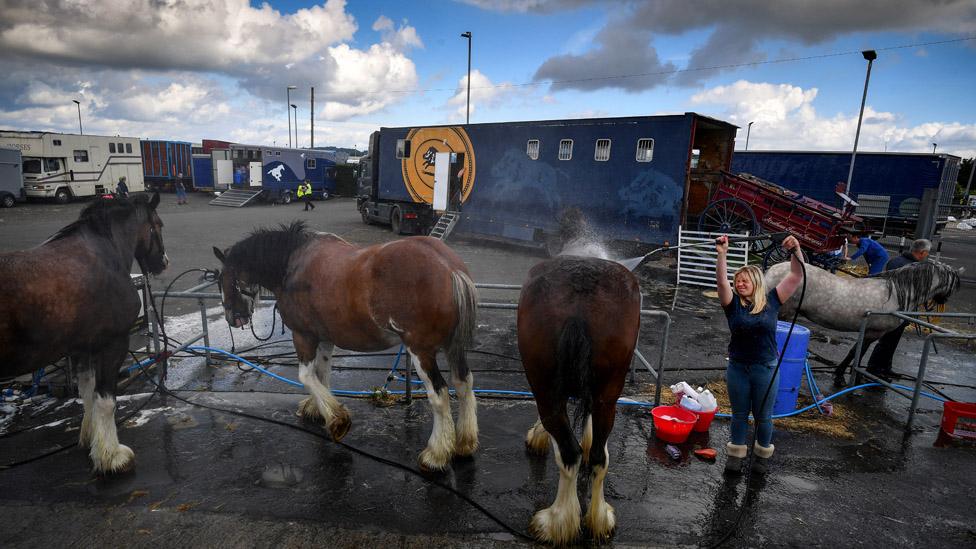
[195, 69]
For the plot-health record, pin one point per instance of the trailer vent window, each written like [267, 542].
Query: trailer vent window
[57, 142]
[119, 147]
[111, 147]
[81, 156]
[602, 152]
[695, 157]
[403, 148]
[128, 148]
[645, 150]
[277, 153]
[566, 149]
[532, 149]
[309, 163]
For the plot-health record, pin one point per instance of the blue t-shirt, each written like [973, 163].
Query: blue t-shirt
[873, 253]
[753, 336]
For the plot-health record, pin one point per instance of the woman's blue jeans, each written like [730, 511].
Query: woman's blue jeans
[747, 385]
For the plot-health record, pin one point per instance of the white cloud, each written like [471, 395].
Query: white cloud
[483, 92]
[785, 118]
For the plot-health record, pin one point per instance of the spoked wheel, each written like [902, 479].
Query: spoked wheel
[775, 254]
[728, 216]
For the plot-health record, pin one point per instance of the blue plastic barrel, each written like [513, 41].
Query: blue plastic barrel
[791, 369]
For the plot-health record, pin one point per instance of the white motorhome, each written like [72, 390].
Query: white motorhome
[63, 166]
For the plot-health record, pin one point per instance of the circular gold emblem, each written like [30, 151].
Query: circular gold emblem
[418, 170]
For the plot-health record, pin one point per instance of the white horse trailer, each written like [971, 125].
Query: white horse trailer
[65, 166]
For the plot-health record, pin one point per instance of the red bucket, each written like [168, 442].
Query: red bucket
[704, 420]
[676, 426]
[959, 419]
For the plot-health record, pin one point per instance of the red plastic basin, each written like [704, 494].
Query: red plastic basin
[673, 424]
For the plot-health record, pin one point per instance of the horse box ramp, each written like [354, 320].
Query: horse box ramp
[235, 198]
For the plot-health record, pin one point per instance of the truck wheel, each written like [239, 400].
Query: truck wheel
[62, 196]
[286, 197]
[396, 221]
[8, 201]
[325, 195]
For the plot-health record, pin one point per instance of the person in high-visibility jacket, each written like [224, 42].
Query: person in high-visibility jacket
[305, 191]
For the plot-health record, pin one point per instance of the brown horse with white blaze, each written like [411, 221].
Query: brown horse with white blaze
[578, 321]
[331, 293]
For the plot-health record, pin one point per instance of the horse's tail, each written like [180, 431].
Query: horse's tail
[573, 355]
[466, 299]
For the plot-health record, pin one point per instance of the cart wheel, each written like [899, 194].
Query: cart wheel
[728, 216]
[775, 254]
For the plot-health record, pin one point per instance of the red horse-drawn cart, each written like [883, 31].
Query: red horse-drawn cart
[744, 203]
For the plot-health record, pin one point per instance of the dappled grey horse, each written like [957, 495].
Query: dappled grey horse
[839, 303]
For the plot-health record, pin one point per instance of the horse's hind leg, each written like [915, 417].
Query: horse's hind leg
[560, 523]
[440, 445]
[86, 390]
[107, 455]
[467, 424]
[600, 517]
[322, 404]
[841, 369]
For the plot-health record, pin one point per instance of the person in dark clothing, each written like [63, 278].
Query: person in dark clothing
[122, 189]
[751, 310]
[880, 362]
[307, 194]
[874, 253]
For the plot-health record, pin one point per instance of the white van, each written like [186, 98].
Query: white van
[65, 166]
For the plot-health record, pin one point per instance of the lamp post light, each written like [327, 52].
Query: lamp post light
[78, 104]
[870, 56]
[288, 95]
[748, 131]
[467, 117]
[295, 108]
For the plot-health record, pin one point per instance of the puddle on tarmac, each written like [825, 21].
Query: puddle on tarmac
[280, 475]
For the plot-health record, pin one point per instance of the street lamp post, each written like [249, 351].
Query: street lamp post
[870, 56]
[288, 95]
[467, 117]
[295, 108]
[748, 131]
[78, 103]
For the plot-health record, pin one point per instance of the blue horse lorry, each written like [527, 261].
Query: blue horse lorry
[636, 179]
[275, 171]
[888, 187]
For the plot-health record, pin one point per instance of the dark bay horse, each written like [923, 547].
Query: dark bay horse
[578, 320]
[72, 297]
[839, 302]
[330, 293]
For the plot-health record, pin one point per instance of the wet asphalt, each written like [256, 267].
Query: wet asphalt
[206, 478]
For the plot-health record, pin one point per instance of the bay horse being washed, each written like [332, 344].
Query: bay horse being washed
[72, 297]
[839, 303]
[578, 320]
[330, 293]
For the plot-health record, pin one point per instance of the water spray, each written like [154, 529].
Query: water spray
[634, 262]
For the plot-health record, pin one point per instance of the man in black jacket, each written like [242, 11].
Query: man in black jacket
[880, 362]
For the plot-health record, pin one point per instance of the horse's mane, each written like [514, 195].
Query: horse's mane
[100, 215]
[915, 282]
[265, 253]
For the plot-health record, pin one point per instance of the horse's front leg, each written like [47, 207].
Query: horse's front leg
[441, 444]
[107, 454]
[839, 379]
[86, 390]
[314, 371]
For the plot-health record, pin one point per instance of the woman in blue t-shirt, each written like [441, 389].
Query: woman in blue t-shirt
[751, 311]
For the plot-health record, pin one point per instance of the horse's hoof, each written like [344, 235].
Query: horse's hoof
[840, 381]
[113, 463]
[308, 410]
[557, 526]
[340, 424]
[431, 463]
[466, 446]
[601, 520]
[537, 440]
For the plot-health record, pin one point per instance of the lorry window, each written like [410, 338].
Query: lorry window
[309, 163]
[128, 148]
[52, 165]
[32, 166]
[120, 148]
[532, 149]
[57, 142]
[602, 151]
[403, 148]
[645, 150]
[695, 157]
[81, 156]
[566, 149]
[111, 147]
